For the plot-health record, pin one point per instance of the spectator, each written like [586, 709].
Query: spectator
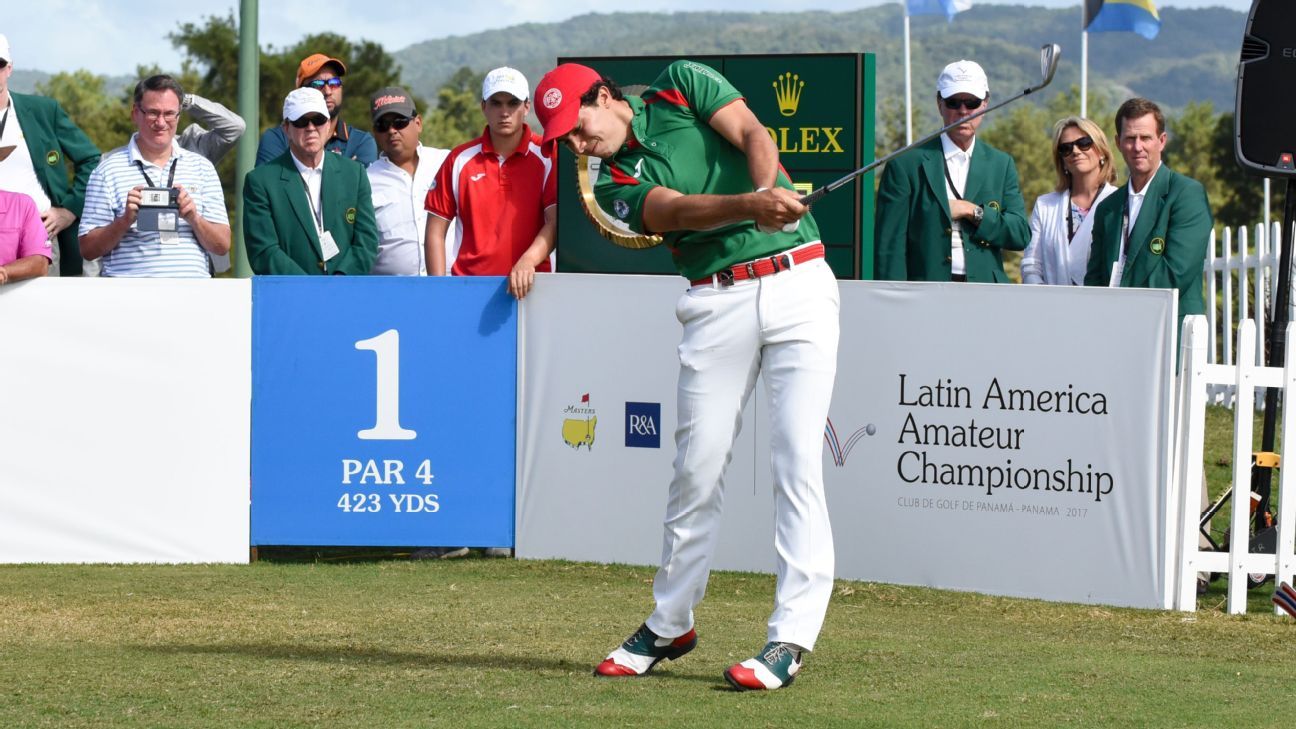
[401, 178]
[138, 240]
[1152, 232]
[947, 210]
[41, 140]
[1061, 225]
[25, 248]
[324, 74]
[501, 191]
[224, 128]
[294, 223]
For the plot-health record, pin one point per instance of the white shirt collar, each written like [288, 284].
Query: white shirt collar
[133, 150]
[1140, 193]
[951, 149]
[303, 168]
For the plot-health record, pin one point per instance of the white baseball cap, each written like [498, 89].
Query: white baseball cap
[963, 77]
[506, 79]
[4, 50]
[302, 101]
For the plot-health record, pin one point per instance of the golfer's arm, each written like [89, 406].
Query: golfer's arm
[737, 124]
[666, 210]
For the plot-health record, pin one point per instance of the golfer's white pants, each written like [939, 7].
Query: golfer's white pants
[784, 326]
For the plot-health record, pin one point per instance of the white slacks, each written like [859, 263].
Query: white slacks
[786, 327]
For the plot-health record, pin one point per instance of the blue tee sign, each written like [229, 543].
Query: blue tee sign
[383, 411]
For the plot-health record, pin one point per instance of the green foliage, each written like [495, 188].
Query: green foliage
[457, 116]
[103, 117]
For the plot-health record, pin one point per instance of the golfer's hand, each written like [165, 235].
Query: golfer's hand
[777, 209]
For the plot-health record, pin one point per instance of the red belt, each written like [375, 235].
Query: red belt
[763, 266]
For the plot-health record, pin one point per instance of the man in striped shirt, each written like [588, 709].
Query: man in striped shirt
[176, 246]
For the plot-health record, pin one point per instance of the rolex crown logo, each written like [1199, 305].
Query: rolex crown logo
[787, 89]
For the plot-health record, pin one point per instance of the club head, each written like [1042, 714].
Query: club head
[1050, 53]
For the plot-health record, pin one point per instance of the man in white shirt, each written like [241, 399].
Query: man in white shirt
[400, 178]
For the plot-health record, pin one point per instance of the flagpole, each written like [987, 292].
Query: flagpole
[1084, 73]
[908, 82]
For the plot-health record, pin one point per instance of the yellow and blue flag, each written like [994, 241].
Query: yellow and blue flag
[948, 8]
[1137, 16]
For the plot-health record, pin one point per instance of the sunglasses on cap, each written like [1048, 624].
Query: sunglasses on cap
[1084, 143]
[308, 120]
[320, 83]
[969, 104]
[385, 124]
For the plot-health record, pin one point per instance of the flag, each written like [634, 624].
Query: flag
[1137, 16]
[585, 398]
[948, 8]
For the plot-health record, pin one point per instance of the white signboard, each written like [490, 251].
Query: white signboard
[125, 428]
[1011, 440]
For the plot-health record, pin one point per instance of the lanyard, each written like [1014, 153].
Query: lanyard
[950, 180]
[5, 120]
[316, 215]
[149, 180]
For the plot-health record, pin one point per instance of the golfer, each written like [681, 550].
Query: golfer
[690, 161]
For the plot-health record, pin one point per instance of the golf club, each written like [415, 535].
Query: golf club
[1049, 55]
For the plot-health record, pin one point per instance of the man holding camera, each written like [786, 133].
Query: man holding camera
[152, 208]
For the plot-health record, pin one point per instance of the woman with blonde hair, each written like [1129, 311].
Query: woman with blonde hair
[1061, 224]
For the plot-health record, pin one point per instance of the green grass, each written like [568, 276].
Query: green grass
[480, 642]
[356, 638]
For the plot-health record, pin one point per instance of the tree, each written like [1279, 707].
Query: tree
[457, 117]
[105, 119]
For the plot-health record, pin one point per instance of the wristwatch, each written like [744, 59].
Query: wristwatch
[186, 102]
[978, 213]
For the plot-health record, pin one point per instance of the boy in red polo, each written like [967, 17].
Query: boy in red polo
[500, 189]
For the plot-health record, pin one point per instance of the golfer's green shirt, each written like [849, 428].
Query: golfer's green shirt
[673, 145]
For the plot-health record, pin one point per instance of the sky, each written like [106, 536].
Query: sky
[113, 37]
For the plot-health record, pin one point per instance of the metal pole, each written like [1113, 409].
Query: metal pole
[249, 107]
[908, 83]
[1260, 476]
[1084, 74]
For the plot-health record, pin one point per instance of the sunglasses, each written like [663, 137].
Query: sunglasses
[385, 124]
[968, 104]
[309, 120]
[320, 83]
[1084, 143]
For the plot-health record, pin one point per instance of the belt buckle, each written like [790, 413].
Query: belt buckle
[725, 277]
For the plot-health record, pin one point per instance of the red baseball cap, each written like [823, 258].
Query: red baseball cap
[557, 99]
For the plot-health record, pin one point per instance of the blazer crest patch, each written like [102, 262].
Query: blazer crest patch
[350, 216]
[993, 205]
[1157, 246]
[53, 157]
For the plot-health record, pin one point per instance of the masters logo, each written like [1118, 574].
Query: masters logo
[578, 424]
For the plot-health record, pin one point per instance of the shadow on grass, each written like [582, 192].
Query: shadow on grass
[396, 658]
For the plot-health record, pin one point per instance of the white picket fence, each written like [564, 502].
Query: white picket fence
[1245, 272]
[1197, 377]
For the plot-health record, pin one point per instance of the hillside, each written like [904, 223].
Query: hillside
[1193, 58]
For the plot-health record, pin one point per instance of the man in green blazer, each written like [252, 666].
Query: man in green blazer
[306, 211]
[49, 140]
[948, 209]
[1167, 215]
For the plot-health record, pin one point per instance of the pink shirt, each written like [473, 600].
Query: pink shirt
[21, 232]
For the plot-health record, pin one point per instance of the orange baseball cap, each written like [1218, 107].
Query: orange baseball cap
[312, 64]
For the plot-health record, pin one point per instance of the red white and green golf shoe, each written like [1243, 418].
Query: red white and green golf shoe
[774, 667]
[643, 650]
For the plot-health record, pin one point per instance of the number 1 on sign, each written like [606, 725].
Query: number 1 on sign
[386, 349]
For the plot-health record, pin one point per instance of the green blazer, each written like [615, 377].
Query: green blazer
[53, 141]
[279, 231]
[911, 238]
[1167, 247]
